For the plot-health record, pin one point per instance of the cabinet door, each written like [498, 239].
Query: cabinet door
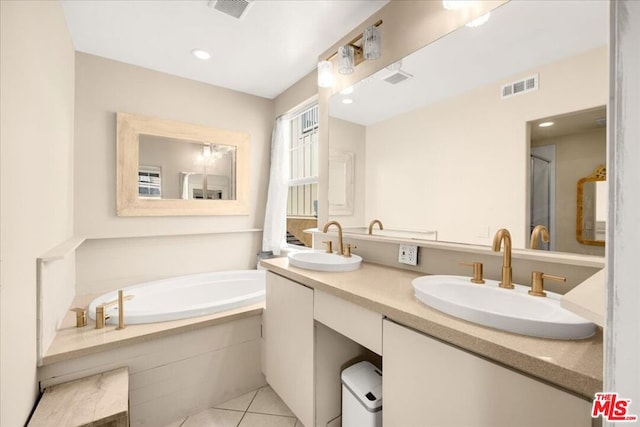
[288, 344]
[429, 383]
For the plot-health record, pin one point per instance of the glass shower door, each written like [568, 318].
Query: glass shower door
[540, 195]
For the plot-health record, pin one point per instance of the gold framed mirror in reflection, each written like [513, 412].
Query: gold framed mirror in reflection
[592, 204]
[168, 168]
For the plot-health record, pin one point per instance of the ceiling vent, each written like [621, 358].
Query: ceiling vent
[236, 8]
[396, 77]
[519, 87]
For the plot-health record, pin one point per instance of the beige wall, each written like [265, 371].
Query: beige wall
[169, 246]
[460, 166]
[106, 264]
[299, 93]
[104, 87]
[36, 134]
[350, 137]
[407, 26]
[577, 156]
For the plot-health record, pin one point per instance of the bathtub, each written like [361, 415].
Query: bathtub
[185, 296]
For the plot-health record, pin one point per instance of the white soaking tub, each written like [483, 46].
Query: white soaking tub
[185, 296]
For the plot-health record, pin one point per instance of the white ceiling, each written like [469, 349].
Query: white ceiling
[274, 45]
[520, 35]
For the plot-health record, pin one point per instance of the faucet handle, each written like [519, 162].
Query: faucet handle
[347, 250]
[329, 245]
[81, 316]
[477, 271]
[537, 282]
[101, 316]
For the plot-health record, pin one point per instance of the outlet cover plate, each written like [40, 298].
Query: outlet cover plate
[408, 255]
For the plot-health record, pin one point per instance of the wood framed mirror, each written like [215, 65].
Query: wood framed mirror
[171, 168]
[592, 208]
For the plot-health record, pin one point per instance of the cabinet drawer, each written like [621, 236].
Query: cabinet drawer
[357, 323]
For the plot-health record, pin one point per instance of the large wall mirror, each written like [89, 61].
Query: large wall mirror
[446, 134]
[166, 167]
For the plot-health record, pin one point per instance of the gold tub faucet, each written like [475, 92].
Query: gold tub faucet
[503, 235]
[340, 242]
[540, 232]
[374, 222]
[101, 311]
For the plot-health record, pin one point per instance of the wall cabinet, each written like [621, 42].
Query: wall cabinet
[430, 383]
[289, 344]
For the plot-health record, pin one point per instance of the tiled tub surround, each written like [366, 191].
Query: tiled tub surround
[176, 368]
[575, 366]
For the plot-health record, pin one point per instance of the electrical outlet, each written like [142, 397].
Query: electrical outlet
[408, 255]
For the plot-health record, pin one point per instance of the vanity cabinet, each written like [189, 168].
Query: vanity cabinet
[289, 344]
[430, 383]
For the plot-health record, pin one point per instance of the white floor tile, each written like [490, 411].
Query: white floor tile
[268, 402]
[239, 403]
[214, 418]
[264, 420]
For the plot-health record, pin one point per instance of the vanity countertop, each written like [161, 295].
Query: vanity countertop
[575, 365]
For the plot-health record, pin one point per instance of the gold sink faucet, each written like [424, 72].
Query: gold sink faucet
[374, 222]
[503, 235]
[340, 242]
[540, 232]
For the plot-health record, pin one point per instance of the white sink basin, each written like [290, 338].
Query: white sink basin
[322, 261]
[512, 310]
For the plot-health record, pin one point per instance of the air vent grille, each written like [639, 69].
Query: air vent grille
[235, 8]
[397, 77]
[519, 87]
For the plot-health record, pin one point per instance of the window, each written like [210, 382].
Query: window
[150, 182]
[302, 203]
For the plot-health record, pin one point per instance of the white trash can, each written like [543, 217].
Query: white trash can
[362, 396]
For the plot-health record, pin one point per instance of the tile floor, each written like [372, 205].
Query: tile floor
[258, 408]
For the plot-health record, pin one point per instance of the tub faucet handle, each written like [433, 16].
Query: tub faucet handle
[121, 309]
[81, 316]
[101, 316]
[329, 245]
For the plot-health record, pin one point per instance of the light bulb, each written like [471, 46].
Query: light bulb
[325, 74]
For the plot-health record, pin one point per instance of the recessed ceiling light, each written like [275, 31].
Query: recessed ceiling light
[479, 20]
[545, 124]
[347, 101]
[456, 4]
[347, 90]
[201, 54]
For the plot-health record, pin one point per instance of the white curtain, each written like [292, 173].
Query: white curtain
[275, 218]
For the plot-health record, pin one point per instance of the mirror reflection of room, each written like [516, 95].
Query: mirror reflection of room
[449, 143]
[565, 149]
[179, 169]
